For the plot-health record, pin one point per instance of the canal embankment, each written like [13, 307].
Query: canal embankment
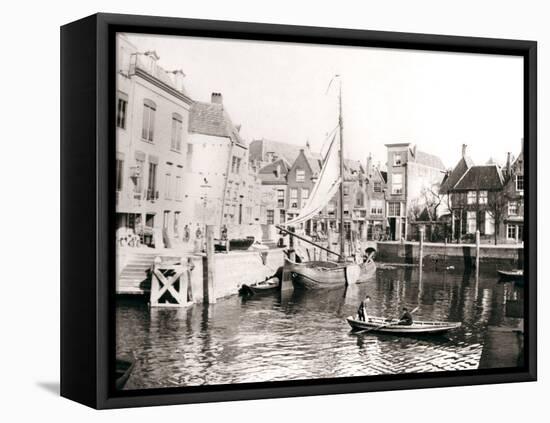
[229, 270]
[507, 256]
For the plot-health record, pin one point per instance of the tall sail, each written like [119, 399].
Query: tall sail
[326, 186]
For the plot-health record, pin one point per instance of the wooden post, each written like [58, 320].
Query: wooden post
[421, 249]
[477, 252]
[208, 267]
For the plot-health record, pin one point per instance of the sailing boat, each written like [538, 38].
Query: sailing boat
[327, 274]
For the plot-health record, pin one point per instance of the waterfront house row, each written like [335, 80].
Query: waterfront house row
[180, 163]
[488, 198]
[288, 174]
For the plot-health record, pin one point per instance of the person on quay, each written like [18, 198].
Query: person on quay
[362, 310]
[406, 318]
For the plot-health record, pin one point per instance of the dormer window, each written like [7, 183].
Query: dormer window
[300, 175]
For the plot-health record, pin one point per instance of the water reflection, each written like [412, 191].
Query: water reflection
[303, 334]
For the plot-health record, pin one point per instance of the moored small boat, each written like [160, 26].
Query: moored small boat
[382, 325]
[509, 275]
[234, 244]
[322, 274]
[265, 287]
[123, 369]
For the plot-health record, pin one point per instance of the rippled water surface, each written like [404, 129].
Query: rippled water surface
[303, 334]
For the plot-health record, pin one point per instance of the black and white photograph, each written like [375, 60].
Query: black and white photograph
[290, 211]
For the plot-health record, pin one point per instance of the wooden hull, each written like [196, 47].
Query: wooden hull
[268, 287]
[368, 271]
[378, 324]
[124, 368]
[512, 275]
[322, 274]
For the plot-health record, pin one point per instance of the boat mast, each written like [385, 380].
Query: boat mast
[341, 125]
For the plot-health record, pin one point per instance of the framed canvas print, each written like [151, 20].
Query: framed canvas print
[257, 211]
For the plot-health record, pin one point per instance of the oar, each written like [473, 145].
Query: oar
[387, 324]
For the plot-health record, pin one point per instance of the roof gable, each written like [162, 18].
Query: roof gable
[486, 177]
[456, 174]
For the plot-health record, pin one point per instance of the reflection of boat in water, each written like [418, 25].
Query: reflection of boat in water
[234, 244]
[322, 274]
[315, 274]
[382, 325]
[511, 275]
[123, 370]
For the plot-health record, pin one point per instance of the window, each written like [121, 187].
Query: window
[152, 182]
[281, 198]
[360, 200]
[512, 208]
[394, 209]
[346, 190]
[177, 130]
[377, 186]
[489, 224]
[346, 210]
[140, 167]
[471, 222]
[294, 198]
[176, 222]
[166, 219]
[271, 217]
[397, 184]
[148, 127]
[119, 174]
[300, 175]
[483, 197]
[519, 182]
[235, 164]
[121, 107]
[377, 207]
[511, 231]
[168, 187]
[472, 197]
[179, 191]
[397, 159]
[305, 193]
[281, 216]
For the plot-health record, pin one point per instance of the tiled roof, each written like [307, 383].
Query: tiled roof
[429, 160]
[289, 152]
[352, 168]
[486, 177]
[267, 174]
[212, 119]
[451, 179]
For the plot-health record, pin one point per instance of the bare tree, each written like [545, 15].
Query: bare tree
[497, 204]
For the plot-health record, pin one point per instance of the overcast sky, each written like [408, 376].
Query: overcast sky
[278, 91]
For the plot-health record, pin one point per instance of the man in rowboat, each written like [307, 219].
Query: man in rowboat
[406, 318]
[362, 310]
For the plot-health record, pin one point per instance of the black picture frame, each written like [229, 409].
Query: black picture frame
[88, 204]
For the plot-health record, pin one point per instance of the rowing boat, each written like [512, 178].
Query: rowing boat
[265, 287]
[382, 325]
[123, 370]
[509, 275]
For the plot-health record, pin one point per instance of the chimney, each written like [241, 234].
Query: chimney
[178, 79]
[369, 165]
[217, 98]
[508, 164]
[464, 147]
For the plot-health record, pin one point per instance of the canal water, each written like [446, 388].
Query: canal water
[304, 335]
